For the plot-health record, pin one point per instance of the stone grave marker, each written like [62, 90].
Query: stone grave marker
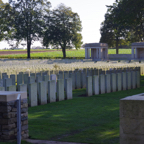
[102, 84]
[51, 91]
[119, 81]
[22, 87]
[108, 83]
[11, 88]
[68, 88]
[13, 79]
[78, 79]
[33, 100]
[129, 84]
[89, 86]
[8, 82]
[53, 77]
[114, 82]
[95, 85]
[60, 90]
[42, 97]
[124, 81]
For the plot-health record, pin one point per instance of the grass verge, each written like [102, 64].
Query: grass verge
[80, 54]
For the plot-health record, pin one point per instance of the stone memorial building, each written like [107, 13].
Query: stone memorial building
[99, 51]
[138, 50]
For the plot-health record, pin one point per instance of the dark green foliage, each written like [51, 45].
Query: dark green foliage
[27, 19]
[63, 27]
[124, 23]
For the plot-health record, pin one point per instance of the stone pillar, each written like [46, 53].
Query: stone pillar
[132, 120]
[138, 79]
[106, 53]
[100, 53]
[8, 116]
[136, 53]
[132, 52]
[86, 53]
[97, 53]
[92, 54]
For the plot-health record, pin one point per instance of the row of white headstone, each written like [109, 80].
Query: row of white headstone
[112, 82]
[41, 66]
[42, 92]
[95, 80]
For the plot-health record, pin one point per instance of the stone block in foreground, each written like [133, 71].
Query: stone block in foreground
[8, 115]
[132, 119]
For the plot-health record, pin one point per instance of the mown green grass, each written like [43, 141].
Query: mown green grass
[26, 50]
[59, 54]
[121, 51]
[92, 119]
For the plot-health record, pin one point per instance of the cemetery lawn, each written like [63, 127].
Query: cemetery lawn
[58, 54]
[93, 120]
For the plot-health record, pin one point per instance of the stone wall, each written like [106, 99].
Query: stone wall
[120, 56]
[132, 119]
[8, 120]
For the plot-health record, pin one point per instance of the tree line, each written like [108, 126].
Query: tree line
[32, 20]
[123, 24]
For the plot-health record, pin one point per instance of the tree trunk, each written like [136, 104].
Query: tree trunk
[117, 49]
[28, 49]
[64, 52]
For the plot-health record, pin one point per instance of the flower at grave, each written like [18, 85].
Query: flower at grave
[56, 66]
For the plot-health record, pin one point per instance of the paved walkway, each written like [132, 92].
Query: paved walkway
[49, 142]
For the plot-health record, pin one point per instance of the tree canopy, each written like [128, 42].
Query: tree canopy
[5, 27]
[124, 23]
[28, 20]
[63, 29]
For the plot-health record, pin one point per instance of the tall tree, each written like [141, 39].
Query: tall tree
[28, 20]
[131, 15]
[111, 31]
[63, 29]
[5, 27]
